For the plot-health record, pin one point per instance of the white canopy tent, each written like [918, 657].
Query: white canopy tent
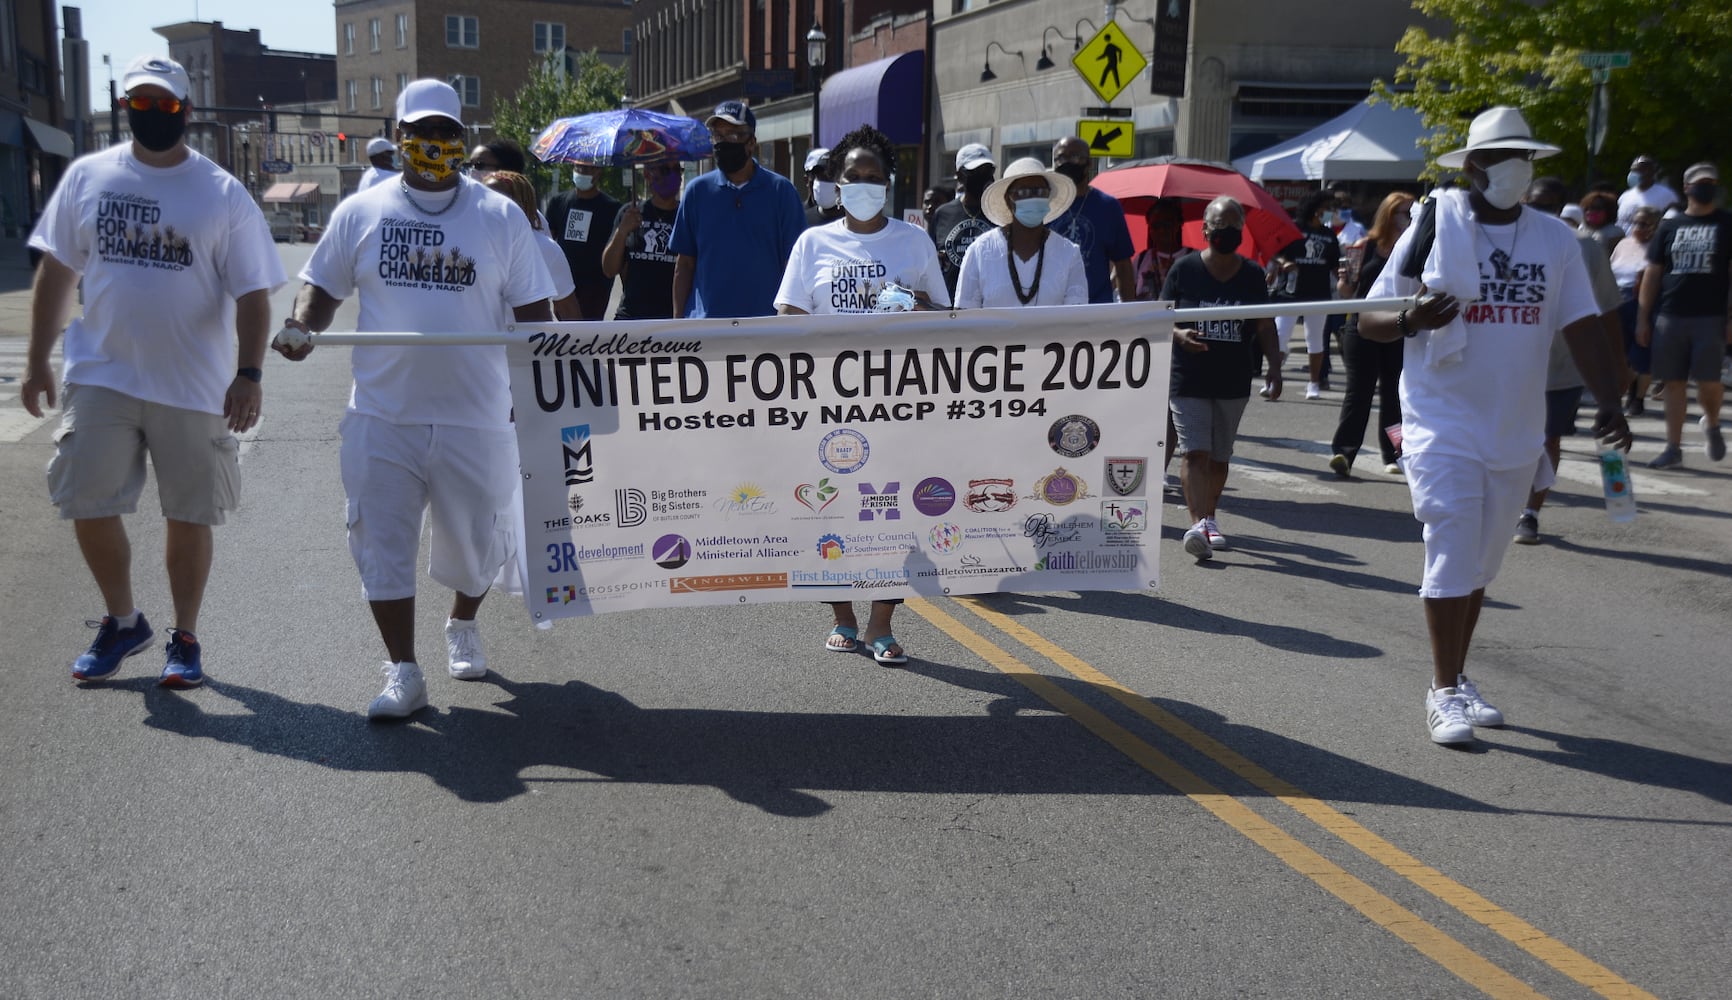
[1371, 142]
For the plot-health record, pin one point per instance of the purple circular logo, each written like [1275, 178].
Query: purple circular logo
[934, 497]
[671, 551]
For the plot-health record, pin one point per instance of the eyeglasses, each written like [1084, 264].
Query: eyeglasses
[438, 133]
[167, 105]
[479, 167]
[731, 135]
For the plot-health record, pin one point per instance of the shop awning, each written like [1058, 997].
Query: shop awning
[292, 191]
[48, 139]
[887, 94]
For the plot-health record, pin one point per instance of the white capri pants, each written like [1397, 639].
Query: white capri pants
[393, 473]
[1469, 513]
[1314, 322]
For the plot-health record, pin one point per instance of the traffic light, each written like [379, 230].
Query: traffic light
[343, 142]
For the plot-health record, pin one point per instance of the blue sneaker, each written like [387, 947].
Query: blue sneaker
[182, 668]
[111, 645]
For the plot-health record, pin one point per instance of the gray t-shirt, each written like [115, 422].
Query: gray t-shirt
[1561, 370]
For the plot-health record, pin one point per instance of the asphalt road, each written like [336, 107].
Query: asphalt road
[1224, 790]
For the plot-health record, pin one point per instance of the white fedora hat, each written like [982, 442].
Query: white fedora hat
[1061, 191]
[1498, 128]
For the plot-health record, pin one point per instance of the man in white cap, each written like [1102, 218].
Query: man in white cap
[427, 427]
[823, 197]
[177, 265]
[381, 153]
[955, 226]
[1498, 281]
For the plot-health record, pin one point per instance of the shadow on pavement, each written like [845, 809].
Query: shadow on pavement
[1335, 518]
[1630, 762]
[774, 761]
[1148, 608]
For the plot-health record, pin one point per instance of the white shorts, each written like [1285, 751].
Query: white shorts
[392, 473]
[1469, 513]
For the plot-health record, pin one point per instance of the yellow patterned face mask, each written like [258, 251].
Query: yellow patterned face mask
[432, 159]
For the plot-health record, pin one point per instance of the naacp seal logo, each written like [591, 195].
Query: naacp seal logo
[1074, 436]
[844, 451]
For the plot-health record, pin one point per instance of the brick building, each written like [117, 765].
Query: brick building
[34, 149]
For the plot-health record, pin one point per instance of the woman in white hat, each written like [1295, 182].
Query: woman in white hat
[1023, 263]
[860, 265]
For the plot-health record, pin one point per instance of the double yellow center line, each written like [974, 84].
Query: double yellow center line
[1430, 941]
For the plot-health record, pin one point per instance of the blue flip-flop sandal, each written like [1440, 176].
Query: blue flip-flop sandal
[880, 651]
[851, 634]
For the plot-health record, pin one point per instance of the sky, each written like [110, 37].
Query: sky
[122, 28]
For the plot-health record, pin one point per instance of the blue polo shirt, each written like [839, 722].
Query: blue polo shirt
[1096, 224]
[741, 238]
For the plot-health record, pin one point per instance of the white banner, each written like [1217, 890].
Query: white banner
[831, 458]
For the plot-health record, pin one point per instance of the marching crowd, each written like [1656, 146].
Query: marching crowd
[1518, 312]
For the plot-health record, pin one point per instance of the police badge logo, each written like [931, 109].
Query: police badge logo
[1074, 436]
[1126, 476]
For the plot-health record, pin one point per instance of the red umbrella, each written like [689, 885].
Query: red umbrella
[1268, 230]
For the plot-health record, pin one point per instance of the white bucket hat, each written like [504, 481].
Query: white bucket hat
[1498, 128]
[1062, 191]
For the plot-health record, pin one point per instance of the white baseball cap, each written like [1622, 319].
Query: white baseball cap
[813, 158]
[160, 71]
[377, 145]
[429, 99]
[973, 155]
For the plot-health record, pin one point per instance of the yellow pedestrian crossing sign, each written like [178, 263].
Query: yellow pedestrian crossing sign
[1109, 62]
[1111, 137]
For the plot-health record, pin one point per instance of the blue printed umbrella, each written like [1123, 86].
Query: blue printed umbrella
[622, 138]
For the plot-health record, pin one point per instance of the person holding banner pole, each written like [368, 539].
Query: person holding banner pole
[1213, 363]
[428, 428]
[856, 266]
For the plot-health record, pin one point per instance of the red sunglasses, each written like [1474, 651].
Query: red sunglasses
[167, 105]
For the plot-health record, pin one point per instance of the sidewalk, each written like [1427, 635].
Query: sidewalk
[14, 288]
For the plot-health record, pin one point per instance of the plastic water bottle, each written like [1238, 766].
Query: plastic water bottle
[1615, 483]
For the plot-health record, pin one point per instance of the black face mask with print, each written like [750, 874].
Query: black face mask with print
[157, 131]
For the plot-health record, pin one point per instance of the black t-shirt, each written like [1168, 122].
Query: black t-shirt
[1318, 254]
[1695, 251]
[647, 280]
[581, 227]
[954, 228]
[1223, 371]
[816, 216]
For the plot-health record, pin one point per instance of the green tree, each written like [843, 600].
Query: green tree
[551, 94]
[1526, 53]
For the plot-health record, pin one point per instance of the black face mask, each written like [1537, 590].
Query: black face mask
[975, 182]
[1703, 193]
[156, 130]
[1077, 172]
[731, 156]
[1225, 239]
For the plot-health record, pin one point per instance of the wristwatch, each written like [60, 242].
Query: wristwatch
[252, 374]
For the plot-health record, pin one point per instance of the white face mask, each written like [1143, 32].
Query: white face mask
[864, 201]
[1031, 212]
[1506, 182]
[582, 182]
[826, 194]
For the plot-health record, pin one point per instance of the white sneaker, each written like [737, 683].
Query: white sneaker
[463, 645]
[1213, 534]
[1478, 711]
[1197, 543]
[1313, 391]
[405, 692]
[1445, 714]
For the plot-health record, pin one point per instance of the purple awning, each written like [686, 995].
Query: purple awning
[886, 94]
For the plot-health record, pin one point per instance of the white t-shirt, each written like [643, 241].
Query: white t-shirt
[558, 271]
[375, 175]
[833, 269]
[1659, 196]
[163, 253]
[1491, 405]
[985, 277]
[460, 271]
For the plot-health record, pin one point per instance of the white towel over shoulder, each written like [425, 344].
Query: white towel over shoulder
[1452, 267]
